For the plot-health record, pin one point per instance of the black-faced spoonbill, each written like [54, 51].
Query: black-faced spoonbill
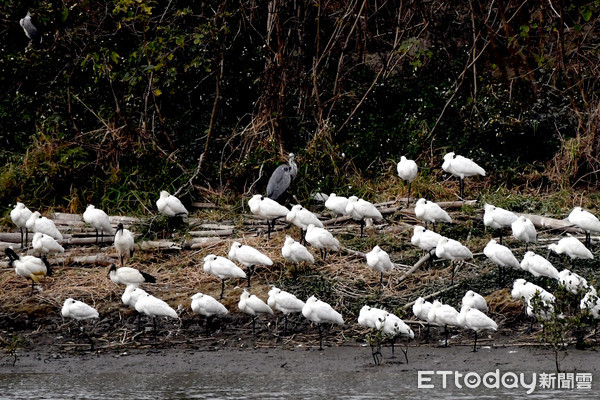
[207, 306]
[99, 220]
[37, 223]
[321, 239]
[154, 307]
[407, 170]
[586, 221]
[249, 257]
[524, 231]
[301, 217]
[393, 327]
[360, 209]
[572, 247]
[43, 244]
[320, 312]
[253, 306]
[461, 167]
[442, 315]
[428, 211]
[19, 216]
[502, 256]
[285, 302]
[474, 319]
[222, 268]
[79, 311]
[379, 261]
[268, 209]
[296, 253]
[498, 218]
[450, 249]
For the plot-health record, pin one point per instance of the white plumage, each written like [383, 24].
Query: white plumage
[283, 301]
[461, 167]
[131, 295]
[421, 309]
[424, 238]
[497, 218]
[206, 305]
[360, 209]
[474, 319]
[379, 260]
[170, 205]
[450, 249]
[442, 314]
[584, 220]
[252, 305]
[44, 244]
[538, 266]
[368, 316]
[29, 267]
[98, 219]
[572, 247]
[474, 300]
[19, 216]
[320, 312]
[301, 217]
[124, 243]
[501, 255]
[129, 276]
[407, 170]
[337, 204]
[222, 268]
[37, 223]
[524, 230]
[78, 310]
[392, 325]
[321, 239]
[249, 257]
[429, 211]
[526, 290]
[268, 209]
[573, 282]
[154, 307]
[295, 252]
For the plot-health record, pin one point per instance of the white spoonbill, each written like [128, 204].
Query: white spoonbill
[429, 211]
[368, 317]
[572, 247]
[424, 238]
[319, 312]
[207, 306]
[474, 300]
[526, 290]
[252, 305]
[37, 223]
[573, 282]
[285, 302]
[321, 239]
[474, 319]
[295, 252]
[461, 167]
[99, 220]
[44, 244]
[29, 267]
[264, 207]
[498, 218]
[154, 307]
[407, 170]
[170, 205]
[130, 296]
[249, 257]
[524, 231]
[443, 315]
[19, 216]
[281, 178]
[124, 243]
[421, 309]
[502, 256]
[360, 209]
[301, 217]
[222, 268]
[79, 311]
[379, 261]
[392, 326]
[450, 249]
[337, 204]
[538, 266]
[129, 276]
[586, 221]
[591, 302]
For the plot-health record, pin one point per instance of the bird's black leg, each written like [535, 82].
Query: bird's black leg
[320, 337]
[393, 341]
[408, 198]
[250, 272]
[155, 331]
[500, 236]
[376, 349]
[32, 283]
[362, 225]
[22, 234]
[222, 288]
[254, 325]
[446, 334]
[462, 188]
[285, 318]
[475, 344]
[405, 351]
[499, 276]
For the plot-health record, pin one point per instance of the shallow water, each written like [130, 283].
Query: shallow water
[379, 383]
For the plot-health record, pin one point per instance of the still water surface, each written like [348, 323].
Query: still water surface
[378, 383]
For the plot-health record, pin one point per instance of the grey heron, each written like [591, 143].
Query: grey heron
[281, 178]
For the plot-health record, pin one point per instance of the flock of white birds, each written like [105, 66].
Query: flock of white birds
[472, 315]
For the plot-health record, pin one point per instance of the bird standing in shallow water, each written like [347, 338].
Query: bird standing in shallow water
[407, 170]
[281, 178]
[19, 216]
[461, 167]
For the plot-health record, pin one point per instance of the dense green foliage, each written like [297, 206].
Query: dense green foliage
[120, 99]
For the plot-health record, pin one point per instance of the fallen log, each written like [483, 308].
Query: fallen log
[159, 245]
[220, 232]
